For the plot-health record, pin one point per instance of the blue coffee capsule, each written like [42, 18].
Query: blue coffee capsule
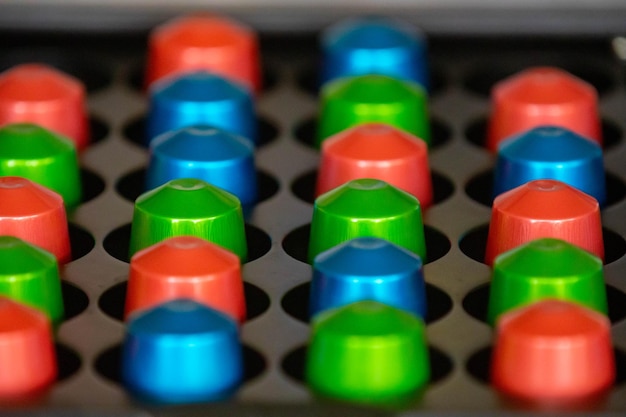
[550, 152]
[368, 268]
[200, 98]
[181, 352]
[207, 153]
[374, 46]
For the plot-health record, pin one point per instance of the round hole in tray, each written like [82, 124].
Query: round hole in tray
[443, 187]
[117, 242]
[136, 75]
[440, 133]
[257, 301]
[254, 363]
[296, 243]
[614, 246]
[109, 363]
[476, 133]
[293, 364]
[303, 187]
[296, 303]
[305, 132]
[476, 303]
[267, 130]
[112, 301]
[132, 185]
[92, 185]
[267, 184]
[259, 242]
[474, 243]
[270, 77]
[611, 134]
[75, 300]
[88, 68]
[480, 188]
[479, 363]
[620, 366]
[135, 131]
[68, 362]
[98, 128]
[307, 78]
[438, 81]
[481, 80]
[81, 241]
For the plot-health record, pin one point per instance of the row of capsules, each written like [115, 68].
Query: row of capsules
[185, 296]
[43, 125]
[548, 299]
[37, 214]
[367, 245]
[374, 134]
[188, 237]
[198, 128]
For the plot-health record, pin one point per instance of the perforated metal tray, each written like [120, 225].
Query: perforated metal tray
[462, 72]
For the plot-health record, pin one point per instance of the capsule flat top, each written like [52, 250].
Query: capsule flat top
[204, 42]
[182, 257]
[367, 198]
[367, 258]
[202, 143]
[546, 200]
[40, 94]
[187, 198]
[37, 83]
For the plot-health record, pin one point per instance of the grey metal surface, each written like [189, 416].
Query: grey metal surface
[599, 17]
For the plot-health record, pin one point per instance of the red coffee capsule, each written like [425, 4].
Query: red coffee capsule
[544, 208]
[552, 350]
[543, 96]
[379, 151]
[27, 356]
[42, 95]
[186, 267]
[204, 42]
[35, 214]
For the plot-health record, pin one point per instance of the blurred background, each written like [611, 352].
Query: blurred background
[581, 17]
